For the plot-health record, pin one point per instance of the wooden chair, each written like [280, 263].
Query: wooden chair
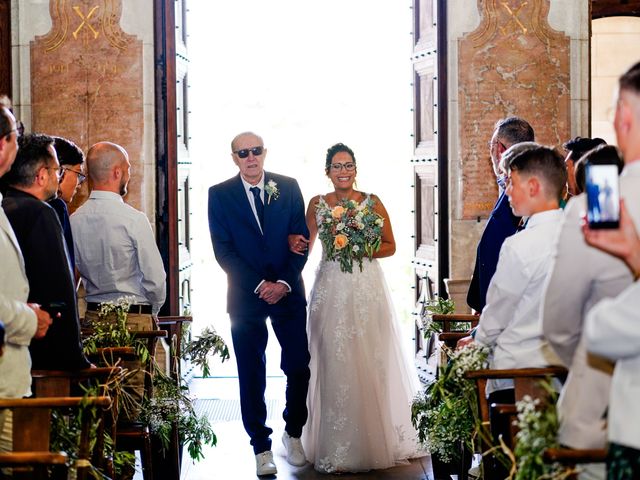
[449, 337]
[132, 435]
[572, 458]
[31, 456]
[174, 324]
[526, 382]
[62, 383]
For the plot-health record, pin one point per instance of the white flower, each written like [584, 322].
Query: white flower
[355, 248]
[340, 226]
[360, 226]
[271, 189]
[380, 222]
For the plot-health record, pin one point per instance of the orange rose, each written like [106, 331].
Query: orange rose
[337, 211]
[340, 241]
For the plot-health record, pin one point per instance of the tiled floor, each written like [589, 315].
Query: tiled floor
[233, 458]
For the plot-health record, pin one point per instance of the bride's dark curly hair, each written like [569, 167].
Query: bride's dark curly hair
[331, 152]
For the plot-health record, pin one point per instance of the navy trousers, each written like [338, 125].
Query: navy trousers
[250, 334]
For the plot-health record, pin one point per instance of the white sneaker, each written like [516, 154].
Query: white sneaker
[265, 464]
[295, 452]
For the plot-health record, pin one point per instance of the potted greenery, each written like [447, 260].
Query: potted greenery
[446, 413]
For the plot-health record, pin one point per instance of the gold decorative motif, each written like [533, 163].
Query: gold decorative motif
[84, 22]
[101, 15]
[513, 13]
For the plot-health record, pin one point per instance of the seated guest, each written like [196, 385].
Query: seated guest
[575, 149]
[32, 181]
[71, 160]
[611, 330]
[22, 321]
[116, 252]
[510, 322]
[581, 277]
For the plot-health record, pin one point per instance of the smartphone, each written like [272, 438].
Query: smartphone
[603, 196]
[54, 308]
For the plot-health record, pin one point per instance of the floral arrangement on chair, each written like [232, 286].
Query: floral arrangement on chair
[349, 232]
[446, 413]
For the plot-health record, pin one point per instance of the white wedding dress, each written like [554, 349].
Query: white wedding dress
[362, 383]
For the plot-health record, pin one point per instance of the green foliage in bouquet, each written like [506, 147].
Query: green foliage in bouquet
[349, 232]
[446, 413]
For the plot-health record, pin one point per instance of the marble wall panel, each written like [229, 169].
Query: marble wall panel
[513, 63]
[87, 82]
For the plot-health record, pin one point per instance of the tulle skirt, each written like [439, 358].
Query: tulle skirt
[362, 382]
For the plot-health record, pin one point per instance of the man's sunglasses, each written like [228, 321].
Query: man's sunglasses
[244, 153]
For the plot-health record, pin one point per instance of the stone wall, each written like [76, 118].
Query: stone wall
[84, 70]
[507, 58]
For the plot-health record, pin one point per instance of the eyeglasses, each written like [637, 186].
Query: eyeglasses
[59, 171]
[337, 167]
[244, 153]
[80, 176]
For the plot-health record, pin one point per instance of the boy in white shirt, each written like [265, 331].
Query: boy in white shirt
[511, 322]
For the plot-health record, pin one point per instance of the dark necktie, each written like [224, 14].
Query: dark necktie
[259, 205]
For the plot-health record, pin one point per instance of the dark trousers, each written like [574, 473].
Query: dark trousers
[249, 334]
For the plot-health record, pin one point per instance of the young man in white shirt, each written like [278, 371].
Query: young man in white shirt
[510, 322]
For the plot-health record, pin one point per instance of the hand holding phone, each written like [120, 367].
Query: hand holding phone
[603, 196]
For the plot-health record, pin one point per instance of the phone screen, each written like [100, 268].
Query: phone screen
[603, 196]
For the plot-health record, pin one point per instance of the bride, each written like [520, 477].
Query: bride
[361, 384]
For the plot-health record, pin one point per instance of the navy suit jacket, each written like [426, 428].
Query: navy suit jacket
[247, 255]
[502, 223]
[46, 262]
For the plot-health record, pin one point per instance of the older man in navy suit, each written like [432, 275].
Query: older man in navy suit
[250, 217]
[502, 222]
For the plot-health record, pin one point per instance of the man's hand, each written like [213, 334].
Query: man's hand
[272, 292]
[44, 320]
[298, 244]
[463, 342]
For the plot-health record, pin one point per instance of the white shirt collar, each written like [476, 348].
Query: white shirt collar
[105, 195]
[247, 185]
[544, 217]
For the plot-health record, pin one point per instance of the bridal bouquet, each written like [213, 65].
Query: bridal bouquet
[349, 232]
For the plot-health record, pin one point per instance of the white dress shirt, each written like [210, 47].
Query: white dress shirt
[252, 200]
[611, 330]
[511, 322]
[20, 321]
[116, 252]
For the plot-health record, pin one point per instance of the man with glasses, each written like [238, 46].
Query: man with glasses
[33, 180]
[22, 321]
[250, 217]
[502, 222]
[71, 161]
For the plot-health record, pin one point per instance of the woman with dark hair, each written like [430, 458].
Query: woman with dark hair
[361, 384]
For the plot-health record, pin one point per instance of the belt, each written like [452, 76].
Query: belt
[135, 308]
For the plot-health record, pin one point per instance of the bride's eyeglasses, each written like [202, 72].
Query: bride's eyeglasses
[244, 153]
[337, 167]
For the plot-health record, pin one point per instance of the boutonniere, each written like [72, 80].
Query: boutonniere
[271, 189]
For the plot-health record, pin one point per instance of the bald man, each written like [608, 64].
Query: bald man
[116, 252]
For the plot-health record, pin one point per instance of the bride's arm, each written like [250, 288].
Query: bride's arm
[311, 220]
[298, 244]
[388, 246]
